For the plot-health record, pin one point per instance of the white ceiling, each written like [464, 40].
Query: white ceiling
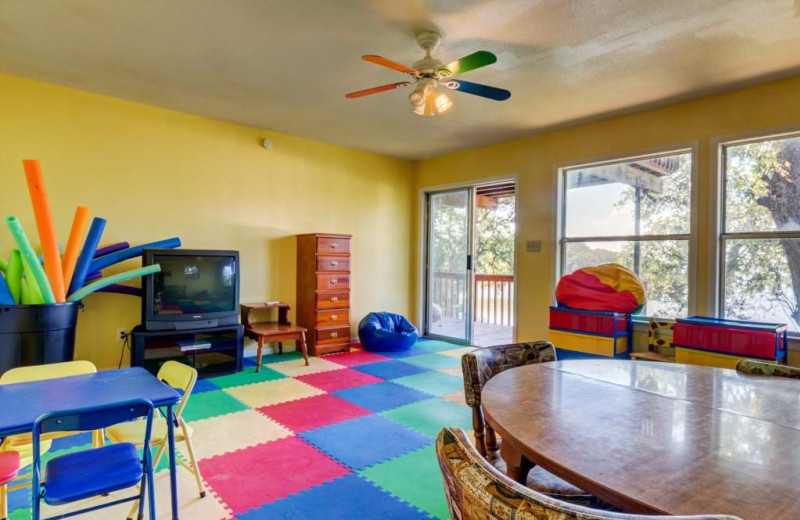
[285, 65]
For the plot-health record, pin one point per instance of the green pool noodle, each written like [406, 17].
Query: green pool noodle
[24, 293]
[121, 277]
[14, 274]
[31, 259]
[34, 294]
[3, 265]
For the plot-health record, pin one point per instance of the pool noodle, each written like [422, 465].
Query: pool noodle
[92, 277]
[85, 258]
[34, 294]
[47, 233]
[98, 264]
[121, 289]
[3, 265]
[29, 258]
[14, 275]
[105, 282]
[79, 224]
[24, 293]
[113, 248]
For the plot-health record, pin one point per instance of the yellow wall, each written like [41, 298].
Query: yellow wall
[156, 173]
[534, 159]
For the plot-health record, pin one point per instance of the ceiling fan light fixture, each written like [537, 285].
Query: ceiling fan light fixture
[428, 99]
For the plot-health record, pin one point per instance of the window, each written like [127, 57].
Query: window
[760, 231]
[635, 212]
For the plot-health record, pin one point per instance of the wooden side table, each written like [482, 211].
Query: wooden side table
[273, 331]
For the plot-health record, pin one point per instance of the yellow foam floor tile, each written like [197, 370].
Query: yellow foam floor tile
[453, 371]
[456, 352]
[297, 367]
[272, 392]
[231, 432]
[455, 397]
[191, 505]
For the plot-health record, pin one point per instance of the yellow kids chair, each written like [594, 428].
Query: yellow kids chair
[22, 443]
[180, 377]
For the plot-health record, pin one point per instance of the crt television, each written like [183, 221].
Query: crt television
[196, 289]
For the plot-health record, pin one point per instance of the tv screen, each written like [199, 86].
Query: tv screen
[193, 285]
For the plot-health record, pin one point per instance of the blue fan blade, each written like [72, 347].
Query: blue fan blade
[498, 94]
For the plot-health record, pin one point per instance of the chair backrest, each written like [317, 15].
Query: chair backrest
[476, 490]
[49, 371]
[482, 364]
[753, 367]
[92, 418]
[181, 377]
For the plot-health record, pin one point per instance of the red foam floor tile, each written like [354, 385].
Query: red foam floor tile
[313, 412]
[339, 379]
[355, 358]
[267, 472]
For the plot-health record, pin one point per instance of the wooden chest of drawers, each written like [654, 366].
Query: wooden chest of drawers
[323, 291]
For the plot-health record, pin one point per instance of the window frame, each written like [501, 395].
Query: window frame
[717, 229]
[559, 260]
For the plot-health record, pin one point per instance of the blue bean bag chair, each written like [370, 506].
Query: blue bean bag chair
[386, 332]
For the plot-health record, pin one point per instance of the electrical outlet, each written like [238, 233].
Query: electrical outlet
[121, 334]
[533, 246]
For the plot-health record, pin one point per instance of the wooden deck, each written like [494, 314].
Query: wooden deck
[484, 334]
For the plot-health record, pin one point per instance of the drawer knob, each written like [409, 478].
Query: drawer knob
[334, 263]
[334, 281]
[334, 317]
[334, 299]
[334, 334]
[334, 245]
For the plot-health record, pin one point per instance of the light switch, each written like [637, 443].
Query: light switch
[533, 246]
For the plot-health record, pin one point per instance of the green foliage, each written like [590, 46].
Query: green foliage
[494, 248]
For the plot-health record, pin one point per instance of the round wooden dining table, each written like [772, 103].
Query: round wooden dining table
[655, 438]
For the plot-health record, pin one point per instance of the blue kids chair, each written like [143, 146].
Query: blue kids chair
[97, 471]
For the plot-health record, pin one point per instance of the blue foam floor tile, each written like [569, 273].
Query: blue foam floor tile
[204, 385]
[413, 351]
[345, 498]
[391, 369]
[71, 441]
[434, 345]
[366, 441]
[381, 396]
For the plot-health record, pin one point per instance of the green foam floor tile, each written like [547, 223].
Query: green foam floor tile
[431, 415]
[414, 478]
[266, 359]
[434, 345]
[434, 383]
[247, 376]
[211, 404]
[433, 361]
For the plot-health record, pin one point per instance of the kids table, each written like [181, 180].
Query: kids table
[23, 403]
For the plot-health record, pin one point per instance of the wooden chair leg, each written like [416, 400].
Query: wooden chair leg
[280, 347]
[303, 346]
[259, 353]
[491, 438]
[477, 426]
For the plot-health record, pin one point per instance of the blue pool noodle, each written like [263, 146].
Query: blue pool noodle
[5, 293]
[87, 253]
[100, 263]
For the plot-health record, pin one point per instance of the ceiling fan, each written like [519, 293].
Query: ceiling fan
[431, 78]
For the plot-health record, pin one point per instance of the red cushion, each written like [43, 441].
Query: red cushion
[9, 466]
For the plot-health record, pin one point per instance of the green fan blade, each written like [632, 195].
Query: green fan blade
[474, 61]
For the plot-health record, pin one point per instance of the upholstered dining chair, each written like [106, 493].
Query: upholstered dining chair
[752, 367]
[476, 490]
[479, 366]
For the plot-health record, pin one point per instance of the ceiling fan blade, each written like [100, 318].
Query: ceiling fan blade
[473, 61]
[375, 90]
[498, 94]
[379, 60]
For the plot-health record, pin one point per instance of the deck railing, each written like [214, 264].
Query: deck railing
[493, 297]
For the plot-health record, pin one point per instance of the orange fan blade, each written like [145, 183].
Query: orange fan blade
[375, 90]
[378, 60]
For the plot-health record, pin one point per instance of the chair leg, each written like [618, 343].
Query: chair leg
[259, 353]
[303, 346]
[193, 460]
[477, 426]
[491, 438]
[139, 504]
[3, 503]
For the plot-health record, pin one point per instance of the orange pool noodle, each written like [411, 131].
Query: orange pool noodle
[44, 223]
[79, 225]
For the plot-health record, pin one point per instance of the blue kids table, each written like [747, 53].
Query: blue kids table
[23, 403]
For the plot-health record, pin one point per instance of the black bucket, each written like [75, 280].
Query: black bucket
[37, 334]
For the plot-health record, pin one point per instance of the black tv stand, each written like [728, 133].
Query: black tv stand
[212, 351]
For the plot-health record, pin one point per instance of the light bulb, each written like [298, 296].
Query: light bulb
[428, 99]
